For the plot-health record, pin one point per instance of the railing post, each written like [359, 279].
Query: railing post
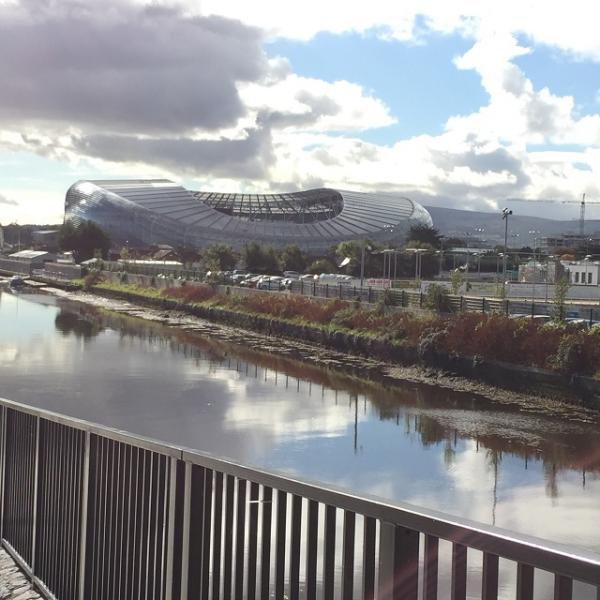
[185, 541]
[85, 482]
[385, 584]
[2, 467]
[35, 495]
[171, 527]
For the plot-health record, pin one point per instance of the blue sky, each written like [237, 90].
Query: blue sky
[416, 80]
[455, 104]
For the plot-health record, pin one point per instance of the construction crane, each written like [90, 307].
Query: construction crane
[581, 203]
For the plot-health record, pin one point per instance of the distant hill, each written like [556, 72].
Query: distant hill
[458, 223]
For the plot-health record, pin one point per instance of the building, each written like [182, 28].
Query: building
[25, 261]
[141, 213]
[583, 272]
[573, 241]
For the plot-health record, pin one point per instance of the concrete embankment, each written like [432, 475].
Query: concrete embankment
[574, 389]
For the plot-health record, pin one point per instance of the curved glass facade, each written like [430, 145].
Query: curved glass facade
[158, 211]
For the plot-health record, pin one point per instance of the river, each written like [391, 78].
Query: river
[532, 471]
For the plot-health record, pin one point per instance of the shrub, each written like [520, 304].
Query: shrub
[190, 294]
[436, 298]
[91, 279]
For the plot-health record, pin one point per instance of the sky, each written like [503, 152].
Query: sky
[463, 104]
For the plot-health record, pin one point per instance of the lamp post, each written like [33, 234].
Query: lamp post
[548, 259]
[498, 256]
[362, 264]
[586, 260]
[417, 252]
[441, 252]
[505, 214]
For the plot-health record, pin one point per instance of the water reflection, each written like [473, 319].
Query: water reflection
[535, 472]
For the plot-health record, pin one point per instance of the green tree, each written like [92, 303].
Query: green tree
[260, 258]
[436, 298]
[561, 291]
[456, 279]
[67, 236]
[321, 265]
[219, 257]
[425, 235]
[293, 259]
[84, 240]
[353, 251]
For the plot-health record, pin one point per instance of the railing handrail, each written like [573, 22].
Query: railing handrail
[577, 563]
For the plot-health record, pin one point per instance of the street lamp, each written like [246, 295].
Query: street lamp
[418, 252]
[505, 214]
[586, 260]
[498, 257]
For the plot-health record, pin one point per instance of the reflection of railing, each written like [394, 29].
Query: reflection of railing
[91, 512]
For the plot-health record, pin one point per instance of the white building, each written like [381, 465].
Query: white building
[583, 272]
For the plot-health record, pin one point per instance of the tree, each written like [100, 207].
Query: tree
[187, 254]
[321, 265]
[353, 251]
[561, 290]
[260, 258]
[425, 235]
[219, 257]
[292, 259]
[84, 240]
[67, 236]
[456, 279]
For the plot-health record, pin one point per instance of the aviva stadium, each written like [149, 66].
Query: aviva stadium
[158, 211]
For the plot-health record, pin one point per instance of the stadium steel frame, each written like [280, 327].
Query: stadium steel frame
[147, 212]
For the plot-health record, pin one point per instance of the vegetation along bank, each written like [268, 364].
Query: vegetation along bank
[556, 358]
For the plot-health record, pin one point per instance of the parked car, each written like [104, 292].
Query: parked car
[270, 283]
[251, 281]
[291, 275]
[239, 277]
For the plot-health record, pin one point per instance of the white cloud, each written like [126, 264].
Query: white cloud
[305, 104]
[571, 27]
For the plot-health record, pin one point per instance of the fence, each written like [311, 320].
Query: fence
[416, 299]
[94, 513]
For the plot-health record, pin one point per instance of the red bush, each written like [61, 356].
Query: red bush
[190, 293]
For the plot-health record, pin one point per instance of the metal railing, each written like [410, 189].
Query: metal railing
[90, 513]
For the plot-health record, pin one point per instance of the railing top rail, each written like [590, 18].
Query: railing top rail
[578, 563]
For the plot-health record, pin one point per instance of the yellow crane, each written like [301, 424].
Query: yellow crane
[581, 203]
